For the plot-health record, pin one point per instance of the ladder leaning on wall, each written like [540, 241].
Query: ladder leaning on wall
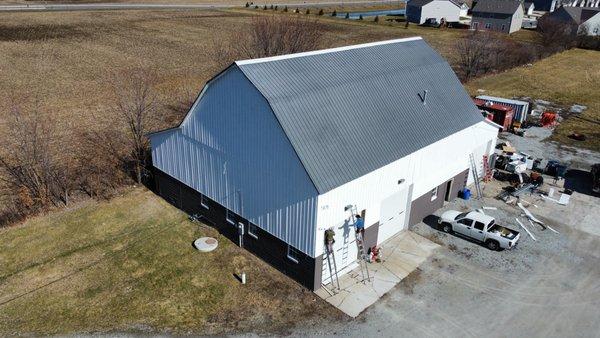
[333, 271]
[475, 176]
[363, 258]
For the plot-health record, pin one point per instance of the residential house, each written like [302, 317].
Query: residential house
[504, 16]
[585, 20]
[432, 11]
[275, 150]
[529, 7]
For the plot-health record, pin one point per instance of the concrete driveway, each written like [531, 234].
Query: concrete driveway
[544, 288]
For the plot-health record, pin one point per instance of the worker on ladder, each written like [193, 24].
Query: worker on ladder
[359, 224]
[329, 239]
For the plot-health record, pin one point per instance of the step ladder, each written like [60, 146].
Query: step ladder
[333, 271]
[475, 176]
[487, 172]
[363, 258]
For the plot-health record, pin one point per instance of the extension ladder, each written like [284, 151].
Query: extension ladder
[475, 176]
[362, 260]
[332, 272]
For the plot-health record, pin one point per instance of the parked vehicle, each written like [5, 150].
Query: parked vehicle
[480, 227]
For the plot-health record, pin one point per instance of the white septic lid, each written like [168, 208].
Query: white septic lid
[206, 244]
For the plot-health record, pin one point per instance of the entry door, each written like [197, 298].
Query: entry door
[393, 215]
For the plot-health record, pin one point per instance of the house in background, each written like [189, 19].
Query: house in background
[504, 16]
[529, 7]
[274, 150]
[464, 9]
[584, 20]
[432, 11]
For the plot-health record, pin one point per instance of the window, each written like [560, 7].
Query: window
[293, 254]
[475, 25]
[466, 222]
[503, 27]
[488, 25]
[252, 230]
[434, 193]
[204, 202]
[478, 225]
[230, 216]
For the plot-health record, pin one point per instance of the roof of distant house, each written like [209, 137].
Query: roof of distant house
[581, 14]
[348, 111]
[421, 3]
[497, 6]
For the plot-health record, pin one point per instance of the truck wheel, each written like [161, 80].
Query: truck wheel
[492, 245]
[447, 227]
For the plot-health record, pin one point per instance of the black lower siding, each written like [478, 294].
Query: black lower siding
[424, 206]
[307, 271]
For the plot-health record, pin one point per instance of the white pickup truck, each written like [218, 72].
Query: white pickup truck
[480, 227]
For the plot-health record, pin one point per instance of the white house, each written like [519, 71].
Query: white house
[433, 11]
[274, 150]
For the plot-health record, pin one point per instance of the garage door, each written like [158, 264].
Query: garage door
[392, 215]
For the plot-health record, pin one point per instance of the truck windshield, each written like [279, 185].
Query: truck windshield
[462, 215]
[491, 224]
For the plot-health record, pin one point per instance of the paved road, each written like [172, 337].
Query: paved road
[166, 6]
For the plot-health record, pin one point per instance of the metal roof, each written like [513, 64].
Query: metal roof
[580, 14]
[497, 6]
[351, 110]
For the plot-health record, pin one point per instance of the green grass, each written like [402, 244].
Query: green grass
[571, 77]
[128, 265]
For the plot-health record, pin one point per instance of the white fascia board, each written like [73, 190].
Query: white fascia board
[324, 51]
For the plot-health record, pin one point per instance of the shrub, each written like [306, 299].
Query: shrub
[321, 12]
[247, 4]
[285, 9]
[347, 16]
[334, 13]
[256, 7]
[360, 17]
[275, 7]
[264, 7]
[308, 11]
[376, 18]
[271, 6]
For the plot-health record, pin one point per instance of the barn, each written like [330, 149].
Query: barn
[274, 150]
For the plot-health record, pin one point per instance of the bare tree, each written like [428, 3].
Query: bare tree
[34, 166]
[556, 35]
[268, 36]
[135, 107]
[473, 52]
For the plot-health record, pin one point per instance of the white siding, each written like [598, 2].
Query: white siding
[440, 9]
[422, 171]
[230, 142]
[517, 20]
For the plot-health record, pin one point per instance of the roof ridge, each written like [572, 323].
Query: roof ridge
[324, 51]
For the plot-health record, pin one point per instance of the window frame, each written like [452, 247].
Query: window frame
[503, 27]
[290, 250]
[229, 216]
[252, 230]
[475, 226]
[488, 25]
[464, 220]
[204, 202]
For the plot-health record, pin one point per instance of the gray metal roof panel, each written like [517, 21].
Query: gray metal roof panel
[497, 6]
[353, 110]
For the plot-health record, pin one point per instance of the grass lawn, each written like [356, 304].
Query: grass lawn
[128, 265]
[571, 77]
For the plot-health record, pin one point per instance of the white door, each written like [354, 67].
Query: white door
[392, 217]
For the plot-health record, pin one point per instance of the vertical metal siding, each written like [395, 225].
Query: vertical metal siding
[233, 126]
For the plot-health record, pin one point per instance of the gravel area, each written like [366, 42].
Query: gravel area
[536, 144]
[544, 288]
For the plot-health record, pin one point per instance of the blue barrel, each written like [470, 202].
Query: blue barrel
[465, 194]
